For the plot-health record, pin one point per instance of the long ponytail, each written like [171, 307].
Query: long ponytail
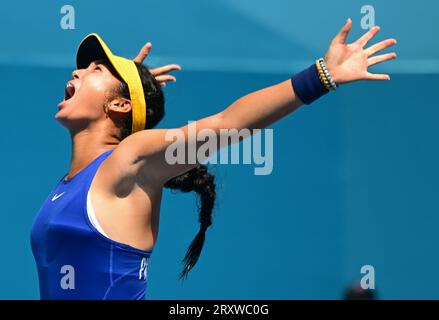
[203, 183]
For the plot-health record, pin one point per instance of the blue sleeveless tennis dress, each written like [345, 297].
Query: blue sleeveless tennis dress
[74, 259]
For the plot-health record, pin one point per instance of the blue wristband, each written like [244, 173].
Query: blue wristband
[307, 85]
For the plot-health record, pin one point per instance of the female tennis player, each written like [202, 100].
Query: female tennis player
[94, 234]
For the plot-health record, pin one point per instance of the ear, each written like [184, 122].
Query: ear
[119, 105]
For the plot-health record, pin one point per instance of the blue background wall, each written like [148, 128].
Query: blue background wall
[355, 177]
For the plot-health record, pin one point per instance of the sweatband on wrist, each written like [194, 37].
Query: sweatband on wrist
[307, 85]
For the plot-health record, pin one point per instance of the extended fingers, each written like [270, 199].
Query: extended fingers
[165, 78]
[377, 77]
[380, 46]
[365, 38]
[381, 58]
[165, 69]
[143, 53]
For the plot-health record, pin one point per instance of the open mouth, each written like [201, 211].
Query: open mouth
[70, 90]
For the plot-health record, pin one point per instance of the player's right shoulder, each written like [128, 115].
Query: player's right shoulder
[138, 155]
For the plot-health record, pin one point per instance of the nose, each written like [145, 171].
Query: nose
[76, 74]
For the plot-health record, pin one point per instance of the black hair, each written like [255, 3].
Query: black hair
[197, 179]
[355, 292]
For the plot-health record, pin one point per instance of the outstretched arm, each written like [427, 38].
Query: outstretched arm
[345, 63]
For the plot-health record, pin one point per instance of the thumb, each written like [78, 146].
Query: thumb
[344, 32]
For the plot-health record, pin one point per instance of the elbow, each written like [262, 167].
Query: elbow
[219, 121]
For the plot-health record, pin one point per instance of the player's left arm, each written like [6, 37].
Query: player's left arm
[259, 109]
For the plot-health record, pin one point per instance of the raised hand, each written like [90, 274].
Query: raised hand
[349, 62]
[161, 73]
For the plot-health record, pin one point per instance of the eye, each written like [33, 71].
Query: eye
[98, 68]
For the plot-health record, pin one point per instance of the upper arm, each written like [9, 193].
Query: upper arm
[148, 150]
[152, 153]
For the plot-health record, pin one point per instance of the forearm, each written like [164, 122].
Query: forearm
[261, 108]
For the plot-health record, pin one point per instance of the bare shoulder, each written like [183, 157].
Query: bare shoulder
[130, 163]
[146, 142]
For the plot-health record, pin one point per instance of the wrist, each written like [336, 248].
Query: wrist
[333, 72]
[332, 69]
[308, 85]
[325, 75]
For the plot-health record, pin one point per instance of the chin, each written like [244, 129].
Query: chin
[62, 120]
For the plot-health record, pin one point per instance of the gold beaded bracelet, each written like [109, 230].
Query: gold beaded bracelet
[332, 85]
[322, 76]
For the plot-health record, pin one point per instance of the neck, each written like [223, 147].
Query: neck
[87, 145]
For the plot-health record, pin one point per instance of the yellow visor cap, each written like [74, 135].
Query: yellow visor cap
[93, 48]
